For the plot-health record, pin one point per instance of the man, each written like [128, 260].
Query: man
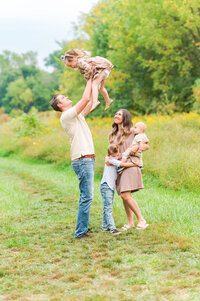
[82, 151]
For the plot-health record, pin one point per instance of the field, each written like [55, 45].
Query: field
[174, 144]
[154, 47]
[41, 260]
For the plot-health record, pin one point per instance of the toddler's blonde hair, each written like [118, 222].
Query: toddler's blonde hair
[74, 53]
[141, 125]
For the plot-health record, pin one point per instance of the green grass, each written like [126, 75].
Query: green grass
[41, 260]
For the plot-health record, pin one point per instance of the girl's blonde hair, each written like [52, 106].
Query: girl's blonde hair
[74, 53]
[125, 131]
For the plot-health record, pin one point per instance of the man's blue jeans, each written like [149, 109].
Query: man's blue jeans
[84, 169]
[107, 196]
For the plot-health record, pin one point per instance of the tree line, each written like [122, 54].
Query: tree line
[153, 44]
[23, 85]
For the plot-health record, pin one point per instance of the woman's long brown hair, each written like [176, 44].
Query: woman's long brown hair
[126, 128]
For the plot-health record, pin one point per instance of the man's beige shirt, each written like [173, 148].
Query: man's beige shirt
[78, 133]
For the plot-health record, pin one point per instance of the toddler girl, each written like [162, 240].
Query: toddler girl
[98, 66]
[139, 140]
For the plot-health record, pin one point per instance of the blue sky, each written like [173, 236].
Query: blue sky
[37, 24]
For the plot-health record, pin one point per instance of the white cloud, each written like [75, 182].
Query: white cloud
[43, 9]
[36, 24]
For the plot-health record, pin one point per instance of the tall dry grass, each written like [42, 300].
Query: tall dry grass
[173, 157]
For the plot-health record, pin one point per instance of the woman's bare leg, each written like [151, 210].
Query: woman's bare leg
[129, 214]
[132, 204]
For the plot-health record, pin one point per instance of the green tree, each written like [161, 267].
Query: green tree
[54, 61]
[42, 87]
[18, 96]
[23, 84]
[154, 46]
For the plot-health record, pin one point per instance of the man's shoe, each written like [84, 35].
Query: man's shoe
[85, 235]
[115, 232]
[89, 231]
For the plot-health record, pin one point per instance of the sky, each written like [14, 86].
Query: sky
[37, 24]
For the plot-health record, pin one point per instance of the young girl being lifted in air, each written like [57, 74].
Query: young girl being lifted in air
[98, 66]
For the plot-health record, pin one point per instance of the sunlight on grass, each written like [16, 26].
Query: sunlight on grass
[40, 259]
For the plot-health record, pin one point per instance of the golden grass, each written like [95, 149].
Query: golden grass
[174, 145]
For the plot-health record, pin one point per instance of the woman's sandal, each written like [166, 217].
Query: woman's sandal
[142, 226]
[126, 227]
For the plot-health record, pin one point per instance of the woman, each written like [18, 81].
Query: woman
[130, 180]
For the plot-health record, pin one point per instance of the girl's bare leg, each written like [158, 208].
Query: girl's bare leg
[105, 95]
[95, 86]
[95, 90]
[104, 92]
[132, 204]
[100, 81]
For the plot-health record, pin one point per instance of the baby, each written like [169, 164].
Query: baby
[98, 66]
[139, 140]
[107, 188]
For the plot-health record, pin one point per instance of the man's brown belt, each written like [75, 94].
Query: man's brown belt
[86, 156]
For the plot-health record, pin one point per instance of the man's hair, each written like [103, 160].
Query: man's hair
[113, 149]
[54, 103]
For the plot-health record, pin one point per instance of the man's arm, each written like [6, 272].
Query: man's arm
[80, 106]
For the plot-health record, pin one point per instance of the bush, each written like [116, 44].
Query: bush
[29, 125]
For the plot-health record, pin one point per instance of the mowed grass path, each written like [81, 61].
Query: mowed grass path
[41, 260]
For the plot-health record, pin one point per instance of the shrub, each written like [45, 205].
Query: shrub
[29, 125]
